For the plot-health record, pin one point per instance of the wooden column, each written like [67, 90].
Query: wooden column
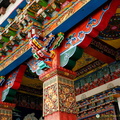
[59, 101]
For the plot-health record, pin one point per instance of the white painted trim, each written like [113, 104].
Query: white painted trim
[98, 89]
[9, 10]
[118, 99]
[1, 1]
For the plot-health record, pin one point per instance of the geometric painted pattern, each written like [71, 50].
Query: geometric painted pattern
[5, 114]
[112, 31]
[67, 99]
[6, 110]
[50, 99]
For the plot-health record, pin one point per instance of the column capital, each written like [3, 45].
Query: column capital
[59, 102]
[57, 70]
[6, 105]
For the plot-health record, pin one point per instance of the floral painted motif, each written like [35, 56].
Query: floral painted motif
[67, 98]
[50, 99]
[59, 96]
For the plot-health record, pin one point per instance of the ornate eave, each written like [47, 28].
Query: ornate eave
[66, 25]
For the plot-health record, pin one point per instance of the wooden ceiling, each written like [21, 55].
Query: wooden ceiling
[111, 35]
[83, 61]
[33, 83]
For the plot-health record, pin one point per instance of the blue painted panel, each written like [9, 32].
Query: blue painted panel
[79, 15]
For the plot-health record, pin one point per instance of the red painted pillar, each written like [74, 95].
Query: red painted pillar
[59, 101]
[1, 89]
[2, 80]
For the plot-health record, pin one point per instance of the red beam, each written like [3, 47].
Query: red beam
[98, 55]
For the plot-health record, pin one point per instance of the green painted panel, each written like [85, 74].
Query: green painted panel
[8, 95]
[78, 54]
[9, 99]
[70, 64]
[30, 13]
[43, 3]
[5, 39]
[12, 33]
[12, 92]
[1, 45]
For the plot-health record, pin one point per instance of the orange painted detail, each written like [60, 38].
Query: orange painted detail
[56, 59]
[61, 116]
[14, 55]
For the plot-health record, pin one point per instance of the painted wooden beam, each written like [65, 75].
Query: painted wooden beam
[98, 89]
[79, 15]
[64, 27]
[11, 11]
[98, 55]
[16, 63]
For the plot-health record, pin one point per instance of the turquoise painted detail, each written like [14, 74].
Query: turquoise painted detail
[43, 66]
[35, 56]
[69, 57]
